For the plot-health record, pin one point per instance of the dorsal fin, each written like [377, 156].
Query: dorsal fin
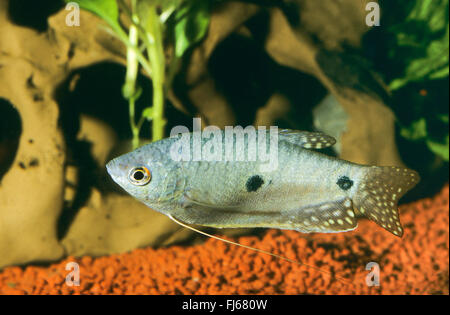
[306, 139]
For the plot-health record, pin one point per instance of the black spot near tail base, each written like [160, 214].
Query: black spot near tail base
[254, 183]
[344, 183]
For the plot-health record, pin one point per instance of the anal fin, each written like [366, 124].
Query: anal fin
[328, 217]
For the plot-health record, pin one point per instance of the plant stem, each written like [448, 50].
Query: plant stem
[157, 61]
[129, 90]
[135, 129]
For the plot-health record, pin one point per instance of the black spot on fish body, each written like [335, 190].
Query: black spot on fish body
[344, 183]
[254, 183]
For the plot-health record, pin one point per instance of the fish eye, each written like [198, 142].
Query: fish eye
[140, 176]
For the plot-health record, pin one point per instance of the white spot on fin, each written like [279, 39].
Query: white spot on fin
[333, 216]
[307, 140]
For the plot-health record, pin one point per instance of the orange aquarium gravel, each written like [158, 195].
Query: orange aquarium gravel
[418, 263]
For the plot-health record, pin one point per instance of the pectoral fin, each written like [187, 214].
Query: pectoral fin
[307, 140]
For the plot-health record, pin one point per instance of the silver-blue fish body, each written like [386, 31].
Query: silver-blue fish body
[292, 187]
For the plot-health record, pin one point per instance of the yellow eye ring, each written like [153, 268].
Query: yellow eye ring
[139, 176]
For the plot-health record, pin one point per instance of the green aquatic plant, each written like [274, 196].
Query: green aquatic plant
[420, 45]
[422, 42]
[411, 50]
[157, 33]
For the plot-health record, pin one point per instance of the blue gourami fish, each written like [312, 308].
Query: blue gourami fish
[304, 190]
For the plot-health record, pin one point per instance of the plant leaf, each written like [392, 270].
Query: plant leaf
[191, 24]
[166, 8]
[148, 113]
[441, 149]
[107, 10]
[416, 131]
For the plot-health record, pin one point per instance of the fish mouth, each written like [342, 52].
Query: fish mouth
[109, 167]
[113, 169]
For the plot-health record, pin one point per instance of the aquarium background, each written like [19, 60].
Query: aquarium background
[65, 97]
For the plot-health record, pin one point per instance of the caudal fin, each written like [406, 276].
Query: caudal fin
[378, 194]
